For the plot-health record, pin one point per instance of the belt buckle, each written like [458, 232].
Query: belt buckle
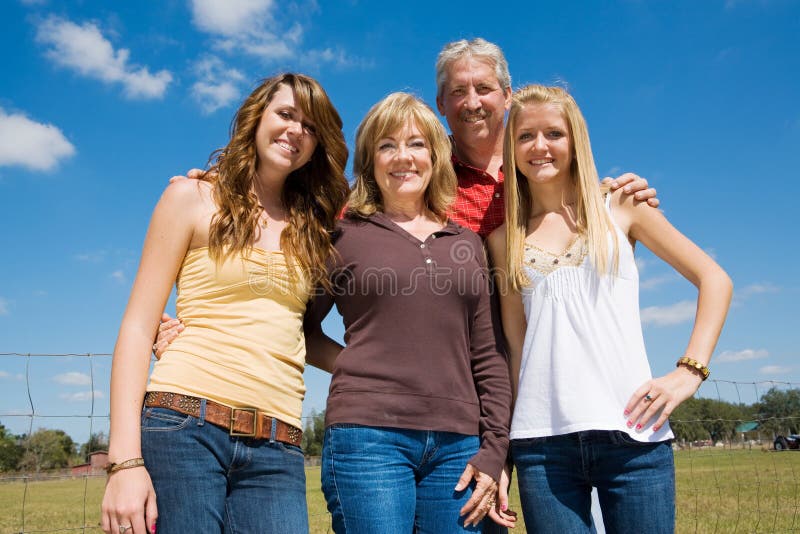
[252, 434]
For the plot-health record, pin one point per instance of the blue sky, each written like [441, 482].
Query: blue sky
[100, 103]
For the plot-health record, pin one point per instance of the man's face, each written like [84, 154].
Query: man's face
[473, 102]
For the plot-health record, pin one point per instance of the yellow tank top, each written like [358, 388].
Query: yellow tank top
[243, 345]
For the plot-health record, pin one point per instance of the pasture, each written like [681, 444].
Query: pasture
[718, 490]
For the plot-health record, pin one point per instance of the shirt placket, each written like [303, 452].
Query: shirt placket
[427, 254]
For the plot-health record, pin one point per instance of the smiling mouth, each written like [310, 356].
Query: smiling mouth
[540, 162]
[474, 116]
[402, 175]
[286, 146]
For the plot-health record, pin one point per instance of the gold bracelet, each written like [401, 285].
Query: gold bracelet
[694, 365]
[127, 464]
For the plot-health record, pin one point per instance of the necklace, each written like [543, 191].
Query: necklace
[263, 218]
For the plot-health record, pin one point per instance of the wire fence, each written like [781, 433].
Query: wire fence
[735, 482]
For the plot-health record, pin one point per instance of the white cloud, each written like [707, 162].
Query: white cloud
[73, 379]
[252, 27]
[247, 25]
[641, 264]
[756, 289]
[230, 17]
[6, 374]
[91, 257]
[677, 313]
[652, 283]
[334, 56]
[31, 144]
[118, 275]
[774, 370]
[85, 50]
[217, 85]
[4, 306]
[82, 396]
[741, 355]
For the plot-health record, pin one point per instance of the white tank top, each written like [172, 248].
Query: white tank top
[583, 354]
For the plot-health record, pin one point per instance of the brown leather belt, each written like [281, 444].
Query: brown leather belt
[244, 422]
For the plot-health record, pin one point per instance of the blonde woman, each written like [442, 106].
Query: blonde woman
[587, 410]
[215, 434]
[417, 415]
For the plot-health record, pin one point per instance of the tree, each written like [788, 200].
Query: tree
[314, 433]
[47, 449]
[686, 421]
[701, 419]
[10, 450]
[779, 411]
[97, 442]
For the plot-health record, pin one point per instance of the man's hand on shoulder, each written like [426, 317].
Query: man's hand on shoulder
[636, 185]
[192, 174]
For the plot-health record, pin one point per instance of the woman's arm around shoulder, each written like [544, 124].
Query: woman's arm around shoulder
[129, 498]
[651, 228]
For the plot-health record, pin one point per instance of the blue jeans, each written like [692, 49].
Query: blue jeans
[395, 481]
[635, 482]
[208, 481]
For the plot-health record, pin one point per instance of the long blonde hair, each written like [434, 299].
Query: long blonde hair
[384, 118]
[312, 195]
[592, 219]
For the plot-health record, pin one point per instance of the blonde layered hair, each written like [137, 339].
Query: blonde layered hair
[312, 195]
[385, 118]
[592, 219]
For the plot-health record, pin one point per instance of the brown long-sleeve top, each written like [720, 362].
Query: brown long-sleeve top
[420, 349]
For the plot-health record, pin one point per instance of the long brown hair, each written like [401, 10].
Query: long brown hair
[312, 195]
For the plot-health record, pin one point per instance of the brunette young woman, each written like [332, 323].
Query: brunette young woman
[211, 442]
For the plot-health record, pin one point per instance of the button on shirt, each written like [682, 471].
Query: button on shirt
[420, 349]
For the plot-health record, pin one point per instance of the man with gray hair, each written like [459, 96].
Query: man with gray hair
[474, 93]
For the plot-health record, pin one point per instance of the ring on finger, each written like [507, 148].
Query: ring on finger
[124, 528]
[648, 398]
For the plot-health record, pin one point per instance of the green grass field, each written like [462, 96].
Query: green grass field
[718, 490]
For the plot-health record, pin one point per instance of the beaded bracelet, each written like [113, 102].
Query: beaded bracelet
[694, 365]
[127, 464]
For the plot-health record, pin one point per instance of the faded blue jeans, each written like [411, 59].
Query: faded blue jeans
[208, 481]
[392, 481]
[635, 482]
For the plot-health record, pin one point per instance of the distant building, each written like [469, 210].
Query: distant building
[95, 466]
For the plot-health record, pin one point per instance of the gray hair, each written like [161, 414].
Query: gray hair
[478, 48]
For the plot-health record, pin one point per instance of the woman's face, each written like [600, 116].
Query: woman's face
[542, 144]
[403, 165]
[285, 137]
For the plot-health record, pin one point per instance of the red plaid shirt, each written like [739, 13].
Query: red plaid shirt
[480, 203]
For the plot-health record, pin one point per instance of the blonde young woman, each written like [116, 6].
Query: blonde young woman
[217, 440]
[417, 415]
[587, 410]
